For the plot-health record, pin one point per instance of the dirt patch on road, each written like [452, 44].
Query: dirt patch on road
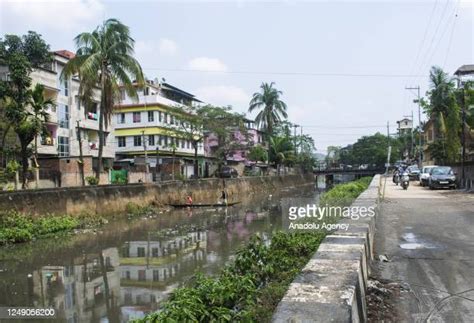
[380, 298]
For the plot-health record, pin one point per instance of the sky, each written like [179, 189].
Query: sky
[342, 65]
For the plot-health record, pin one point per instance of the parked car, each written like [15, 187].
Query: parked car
[226, 172]
[413, 172]
[442, 176]
[425, 174]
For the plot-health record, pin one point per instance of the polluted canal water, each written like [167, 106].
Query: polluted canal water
[127, 268]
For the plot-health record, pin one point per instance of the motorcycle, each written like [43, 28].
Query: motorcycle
[396, 177]
[405, 180]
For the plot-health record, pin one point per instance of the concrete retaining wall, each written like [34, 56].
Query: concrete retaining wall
[112, 199]
[331, 287]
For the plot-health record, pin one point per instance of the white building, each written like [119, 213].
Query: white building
[150, 124]
[464, 74]
[405, 126]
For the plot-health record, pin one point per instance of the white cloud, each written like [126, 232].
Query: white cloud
[207, 64]
[53, 14]
[167, 47]
[224, 95]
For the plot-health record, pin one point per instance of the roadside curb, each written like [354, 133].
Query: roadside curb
[332, 285]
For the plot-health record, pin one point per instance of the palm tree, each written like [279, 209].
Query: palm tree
[104, 59]
[39, 105]
[444, 109]
[272, 109]
[281, 150]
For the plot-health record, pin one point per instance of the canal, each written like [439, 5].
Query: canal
[129, 266]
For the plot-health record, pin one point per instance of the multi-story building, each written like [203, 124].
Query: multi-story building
[149, 124]
[405, 126]
[464, 74]
[59, 150]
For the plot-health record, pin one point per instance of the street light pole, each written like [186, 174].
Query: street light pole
[418, 100]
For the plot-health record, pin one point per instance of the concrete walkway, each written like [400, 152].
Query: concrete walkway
[428, 237]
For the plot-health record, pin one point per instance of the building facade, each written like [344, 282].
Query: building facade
[58, 151]
[149, 127]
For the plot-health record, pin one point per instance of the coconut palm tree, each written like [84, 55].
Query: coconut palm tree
[39, 106]
[281, 150]
[104, 60]
[445, 111]
[272, 109]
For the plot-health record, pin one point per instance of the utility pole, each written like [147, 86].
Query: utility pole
[463, 138]
[146, 156]
[294, 135]
[81, 159]
[418, 100]
[412, 140]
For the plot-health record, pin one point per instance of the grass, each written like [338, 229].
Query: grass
[250, 288]
[18, 227]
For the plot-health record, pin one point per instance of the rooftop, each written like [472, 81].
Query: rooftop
[465, 69]
[65, 53]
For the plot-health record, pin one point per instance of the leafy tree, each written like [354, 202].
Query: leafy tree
[333, 156]
[272, 108]
[228, 128]
[369, 150]
[21, 55]
[257, 153]
[104, 58]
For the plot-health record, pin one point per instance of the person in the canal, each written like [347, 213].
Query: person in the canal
[189, 200]
[223, 199]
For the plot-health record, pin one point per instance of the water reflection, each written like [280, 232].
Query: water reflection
[130, 268]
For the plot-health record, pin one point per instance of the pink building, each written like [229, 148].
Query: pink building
[237, 158]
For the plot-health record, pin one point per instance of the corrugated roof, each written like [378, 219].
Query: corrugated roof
[465, 69]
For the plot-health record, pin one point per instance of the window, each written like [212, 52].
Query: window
[122, 95]
[121, 118]
[78, 103]
[166, 118]
[121, 141]
[160, 140]
[183, 143]
[156, 275]
[137, 141]
[159, 116]
[64, 86]
[136, 117]
[155, 252]
[141, 252]
[188, 144]
[171, 119]
[151, 116]
[63, 146]
[146, 91]
[63, 116]
[166, 141]
[151, 140]
[141, 275]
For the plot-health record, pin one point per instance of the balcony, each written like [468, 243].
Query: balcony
[151, 99]
[47, 78]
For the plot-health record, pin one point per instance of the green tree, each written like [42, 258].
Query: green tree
[39, 106]
[443, 108]
[104, 58]
[281, 151]
[20, 55]
[257, 153]
[272, 108]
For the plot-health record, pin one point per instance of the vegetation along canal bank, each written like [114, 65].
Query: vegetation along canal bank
[250, 288]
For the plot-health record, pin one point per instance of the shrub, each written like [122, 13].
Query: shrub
[92, 180]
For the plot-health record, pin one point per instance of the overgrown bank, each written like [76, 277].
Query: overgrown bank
[17, 227]
[250, 288]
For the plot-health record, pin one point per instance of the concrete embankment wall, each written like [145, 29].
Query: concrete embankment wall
[113, 199]
[332, 285]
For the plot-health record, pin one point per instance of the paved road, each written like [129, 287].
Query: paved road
[428, 237]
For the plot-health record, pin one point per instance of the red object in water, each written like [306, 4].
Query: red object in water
[189, 200]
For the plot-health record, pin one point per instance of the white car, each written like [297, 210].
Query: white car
[425, 174]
